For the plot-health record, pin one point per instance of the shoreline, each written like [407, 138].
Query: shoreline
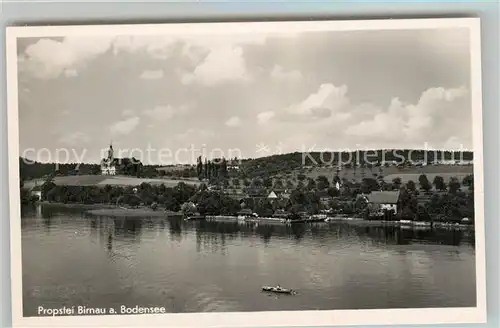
[111, 210]
[117, 211]
[75, 205]
[132, 212]
[341, 220]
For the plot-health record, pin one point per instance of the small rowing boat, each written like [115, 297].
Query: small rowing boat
[278, 289]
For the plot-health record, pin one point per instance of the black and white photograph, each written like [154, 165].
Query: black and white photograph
[247, 174]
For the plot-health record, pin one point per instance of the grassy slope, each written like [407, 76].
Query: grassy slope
[390, 173]
[101, 180]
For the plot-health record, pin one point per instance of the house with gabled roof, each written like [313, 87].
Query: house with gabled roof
[384, 200]
[272, 195]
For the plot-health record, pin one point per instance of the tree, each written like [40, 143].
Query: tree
[278, 183]
[334, 204]
[263, 208]
[215, 170]
[322, 182]
[439, 183]
[133, 200]
[424, 182]
[310, 184]
[207, 170]
[208, 203]
[396, 182]
[289, 184]
[267, 182]
[223, 168]
[423, 214]
[228, 205]
[246, 183]
[368, 185]
[300, 185]
[333, 192]
[454, 185]
[257, 182]
[188, 208]
[408, 204]
[199, 167]
[410, 185]
[468, 180]
[236, 182]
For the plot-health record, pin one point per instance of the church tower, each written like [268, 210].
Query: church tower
[108, 164]
[110, 153]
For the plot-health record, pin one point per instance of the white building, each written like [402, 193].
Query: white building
[108, 164]
[384, 200]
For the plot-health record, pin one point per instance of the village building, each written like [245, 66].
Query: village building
[272, 195]
[324, 197]
[384, 200]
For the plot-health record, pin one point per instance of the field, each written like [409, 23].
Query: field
[389, 173]
[102, 180]
[130, 181]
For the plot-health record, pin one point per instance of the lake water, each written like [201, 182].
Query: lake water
[70, 259]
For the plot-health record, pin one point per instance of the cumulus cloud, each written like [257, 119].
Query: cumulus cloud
[233, 121]
[166, 112]
[333, 120]
[222, 64]
[437, 112]
[265, 117]
[48, 58]
[75, 138]
[321, 104]
[157, 46]
[195, 136]
[128, 112]
[280, 74]
[152, 75]
[125, 127]
[282, 105]
[70, 72]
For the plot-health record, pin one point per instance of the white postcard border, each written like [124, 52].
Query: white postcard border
[250, 319]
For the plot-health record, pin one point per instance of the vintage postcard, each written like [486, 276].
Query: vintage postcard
[247, 174]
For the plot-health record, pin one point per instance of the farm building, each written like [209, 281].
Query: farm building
[384, 200]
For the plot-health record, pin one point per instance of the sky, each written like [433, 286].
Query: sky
[168, 99]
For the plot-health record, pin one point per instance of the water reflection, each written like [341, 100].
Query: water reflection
[383, 235]
[298, 231]
[220, 232]
[265, 232]
[175, 227]
[128, 228]
[110, 241]
[202, 264]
